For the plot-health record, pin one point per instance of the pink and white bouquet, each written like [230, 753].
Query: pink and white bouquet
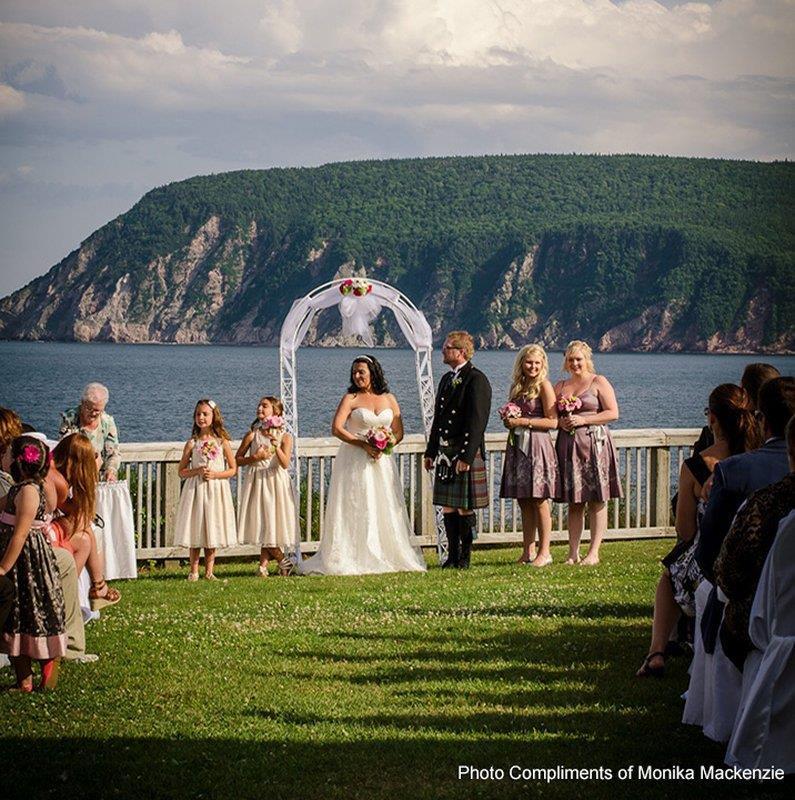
[358, 287]
[509, 411]
[382, 438]
[274, 422]
[209, 450]
[568, 403]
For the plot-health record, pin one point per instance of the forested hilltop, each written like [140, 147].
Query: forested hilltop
[628, 252]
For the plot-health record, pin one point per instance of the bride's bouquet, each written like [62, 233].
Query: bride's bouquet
[381, 438]
[567, 403]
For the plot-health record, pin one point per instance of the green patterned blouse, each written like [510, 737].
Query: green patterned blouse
[104, 438]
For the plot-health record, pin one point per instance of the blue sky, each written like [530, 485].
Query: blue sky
[101, 100]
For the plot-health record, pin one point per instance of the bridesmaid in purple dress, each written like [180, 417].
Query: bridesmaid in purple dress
[530, 466]
[587, 459]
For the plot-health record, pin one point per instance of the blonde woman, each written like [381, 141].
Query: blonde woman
[587, 459]
[530, 466]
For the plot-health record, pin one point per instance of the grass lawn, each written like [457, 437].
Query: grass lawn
[369, 687]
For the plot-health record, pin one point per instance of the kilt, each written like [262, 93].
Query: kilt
[462, 490]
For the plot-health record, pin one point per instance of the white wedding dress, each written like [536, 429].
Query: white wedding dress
[366, 528]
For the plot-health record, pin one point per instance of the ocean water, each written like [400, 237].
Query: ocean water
[153, 388]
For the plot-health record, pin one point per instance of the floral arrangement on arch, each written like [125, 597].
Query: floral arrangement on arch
[358, 287]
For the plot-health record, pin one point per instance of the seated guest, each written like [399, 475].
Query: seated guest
[739, 476]
[754, 376]
[764, 733]
[735, 431]
[713, 694]
[744, 552]
[74, 459]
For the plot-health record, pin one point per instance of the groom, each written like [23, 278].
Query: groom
[456, 445]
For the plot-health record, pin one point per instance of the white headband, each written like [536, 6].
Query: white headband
[363, 358]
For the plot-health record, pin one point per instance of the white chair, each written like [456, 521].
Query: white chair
[764, 735]
[713, 695]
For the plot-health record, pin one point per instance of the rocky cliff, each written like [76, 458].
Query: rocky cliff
[189, 264]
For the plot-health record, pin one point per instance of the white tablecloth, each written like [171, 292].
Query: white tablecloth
[116, 541]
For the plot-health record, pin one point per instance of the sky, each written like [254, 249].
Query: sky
[102, 100]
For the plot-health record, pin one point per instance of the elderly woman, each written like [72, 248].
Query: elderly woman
[91, 419]
[113, 504]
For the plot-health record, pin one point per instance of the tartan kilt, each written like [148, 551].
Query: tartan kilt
[463, 490]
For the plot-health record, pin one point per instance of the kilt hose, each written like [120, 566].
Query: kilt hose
[462, 490]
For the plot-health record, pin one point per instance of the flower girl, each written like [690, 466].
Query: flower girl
[266, 513]
[206, 514]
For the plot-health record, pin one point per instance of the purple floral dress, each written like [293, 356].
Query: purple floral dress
[530, 465]
[587, 461]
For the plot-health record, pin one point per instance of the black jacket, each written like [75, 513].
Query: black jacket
[461, 413]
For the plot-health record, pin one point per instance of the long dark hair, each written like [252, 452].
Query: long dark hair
[377, 379]
[731, 406]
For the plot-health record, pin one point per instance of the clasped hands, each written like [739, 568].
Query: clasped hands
[460, 466]
[568, 422]
[372, 451]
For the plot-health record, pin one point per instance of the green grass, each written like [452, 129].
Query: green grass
[363, 687]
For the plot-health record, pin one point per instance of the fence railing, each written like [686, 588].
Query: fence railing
[649, 462]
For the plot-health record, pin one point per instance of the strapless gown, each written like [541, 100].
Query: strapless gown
[366, 527]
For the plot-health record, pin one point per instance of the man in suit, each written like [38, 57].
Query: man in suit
[456, 446]
[734, 480]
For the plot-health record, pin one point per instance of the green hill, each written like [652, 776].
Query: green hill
[630, 252]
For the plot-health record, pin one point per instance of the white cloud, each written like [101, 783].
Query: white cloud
[140, 92]
[11, 101]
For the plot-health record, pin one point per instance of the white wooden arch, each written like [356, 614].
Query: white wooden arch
[357, 313]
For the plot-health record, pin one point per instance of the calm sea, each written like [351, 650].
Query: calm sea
[153, 388]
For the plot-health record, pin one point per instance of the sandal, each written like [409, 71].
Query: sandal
[286, 567]
[647, 671]
[110, 596]
[210, 577]
[49, 674]
[193, 576]
[262, 571]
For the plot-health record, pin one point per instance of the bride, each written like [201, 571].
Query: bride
[366, 528]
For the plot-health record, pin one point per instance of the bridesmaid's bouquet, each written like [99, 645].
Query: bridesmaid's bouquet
[568, 403]
[381, 438]
[209, 451]
[509, 411]
[274, 422]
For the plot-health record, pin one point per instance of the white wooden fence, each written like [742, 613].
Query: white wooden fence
[649, 461]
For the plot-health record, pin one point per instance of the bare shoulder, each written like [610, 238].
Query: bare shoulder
[393, 402]
[600, 382]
